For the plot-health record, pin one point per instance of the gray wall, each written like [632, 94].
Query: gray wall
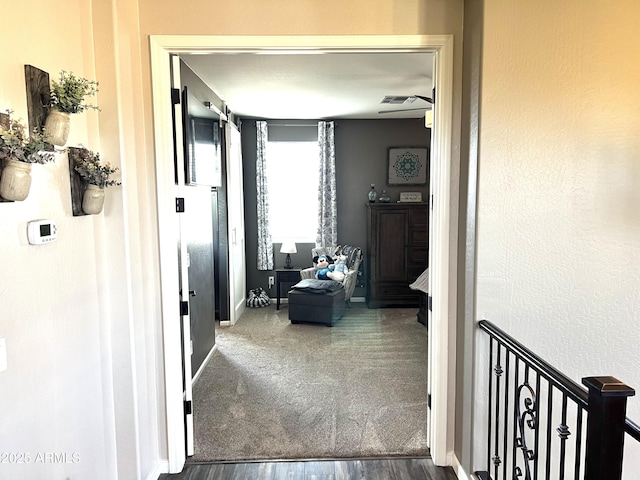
[361, 159]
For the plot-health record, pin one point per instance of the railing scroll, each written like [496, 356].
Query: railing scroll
[535, 424]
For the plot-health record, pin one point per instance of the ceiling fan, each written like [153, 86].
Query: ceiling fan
[405, 100]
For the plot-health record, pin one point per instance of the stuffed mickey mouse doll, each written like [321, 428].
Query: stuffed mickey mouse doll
[324, 265]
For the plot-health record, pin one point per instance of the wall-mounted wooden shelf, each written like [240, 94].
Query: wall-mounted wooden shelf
[77, 185]
[38, 95]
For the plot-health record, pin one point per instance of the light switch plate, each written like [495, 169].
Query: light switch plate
[3, 354]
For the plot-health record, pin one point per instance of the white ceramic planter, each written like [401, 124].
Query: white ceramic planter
[56, 127]
[93, 200]
[15, 181]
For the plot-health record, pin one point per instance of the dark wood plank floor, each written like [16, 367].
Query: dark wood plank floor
[361, 469]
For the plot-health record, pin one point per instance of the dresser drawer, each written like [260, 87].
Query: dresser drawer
[419, 216]
[388, 290]
[417, 256]
[418, 236]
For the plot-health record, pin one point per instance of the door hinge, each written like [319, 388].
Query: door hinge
[187, 407]
[428, 400]
[179, 205]
[433, 95]
[175, 96]
[430, 303]
[184, 308]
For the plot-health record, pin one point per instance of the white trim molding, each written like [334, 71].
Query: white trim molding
[205, 362]
[162, 466]
[459, 471]
[442, 324]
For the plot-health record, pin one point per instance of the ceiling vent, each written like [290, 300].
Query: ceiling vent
[397, 100]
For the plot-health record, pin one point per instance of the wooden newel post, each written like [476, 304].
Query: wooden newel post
[605, 427]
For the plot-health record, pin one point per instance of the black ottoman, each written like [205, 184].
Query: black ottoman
[315, 306]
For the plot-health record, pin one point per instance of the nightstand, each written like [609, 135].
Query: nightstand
[285, 275]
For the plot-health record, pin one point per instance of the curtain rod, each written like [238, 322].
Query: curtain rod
[271, 124]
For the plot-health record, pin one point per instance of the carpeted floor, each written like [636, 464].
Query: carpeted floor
[273, 390]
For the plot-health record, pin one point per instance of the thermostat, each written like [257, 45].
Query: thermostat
[410, 196]
[41, 231]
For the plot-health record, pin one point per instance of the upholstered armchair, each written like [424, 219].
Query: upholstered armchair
[353, 260]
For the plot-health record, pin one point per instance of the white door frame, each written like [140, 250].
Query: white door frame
[441, 379]
[184, 262]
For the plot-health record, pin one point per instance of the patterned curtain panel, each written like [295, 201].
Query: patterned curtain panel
[327, 204]
[265, 247]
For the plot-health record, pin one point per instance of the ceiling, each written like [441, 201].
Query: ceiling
[316, 85]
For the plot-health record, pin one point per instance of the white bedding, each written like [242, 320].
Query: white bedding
[422, 282]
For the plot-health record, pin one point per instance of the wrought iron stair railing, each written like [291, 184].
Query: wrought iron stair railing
[542, 425]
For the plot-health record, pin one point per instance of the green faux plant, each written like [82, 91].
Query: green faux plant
[69, 93]
[16, 145]
[88, 166]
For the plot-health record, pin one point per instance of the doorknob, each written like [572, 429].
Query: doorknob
[192, 293]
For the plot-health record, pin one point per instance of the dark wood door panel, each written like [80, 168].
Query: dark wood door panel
[392, 241]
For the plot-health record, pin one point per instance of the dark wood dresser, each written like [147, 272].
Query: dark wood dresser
[397, 252]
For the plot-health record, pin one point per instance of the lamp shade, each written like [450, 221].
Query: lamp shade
[288, 247]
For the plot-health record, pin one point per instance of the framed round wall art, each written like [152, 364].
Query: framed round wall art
[408, 166]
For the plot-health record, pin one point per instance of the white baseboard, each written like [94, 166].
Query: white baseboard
[284, 301]
[459, 471]
[204, 364]
[162, 466]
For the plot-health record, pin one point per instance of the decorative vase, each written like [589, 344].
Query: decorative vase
[93, 199]
[384, 198]
[372, 193]
[56, 127]
[16, 180]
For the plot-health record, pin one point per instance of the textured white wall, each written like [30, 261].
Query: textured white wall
[559, 184]
[51, 395]
[81, 316]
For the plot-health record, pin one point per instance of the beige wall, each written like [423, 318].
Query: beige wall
[303, 17]
[559, 184]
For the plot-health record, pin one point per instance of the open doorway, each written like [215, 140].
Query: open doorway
[441, 329]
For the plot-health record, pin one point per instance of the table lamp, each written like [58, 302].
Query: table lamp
[288, 248]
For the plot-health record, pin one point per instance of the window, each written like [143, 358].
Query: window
[292, 176]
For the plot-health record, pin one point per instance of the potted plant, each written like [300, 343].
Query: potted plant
[18, 151]
[96, 177]
[68, 95]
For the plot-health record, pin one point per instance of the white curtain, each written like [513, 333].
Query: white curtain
[327, 203]
[265, 247]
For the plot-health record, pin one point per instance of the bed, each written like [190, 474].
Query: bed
[421, 284]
